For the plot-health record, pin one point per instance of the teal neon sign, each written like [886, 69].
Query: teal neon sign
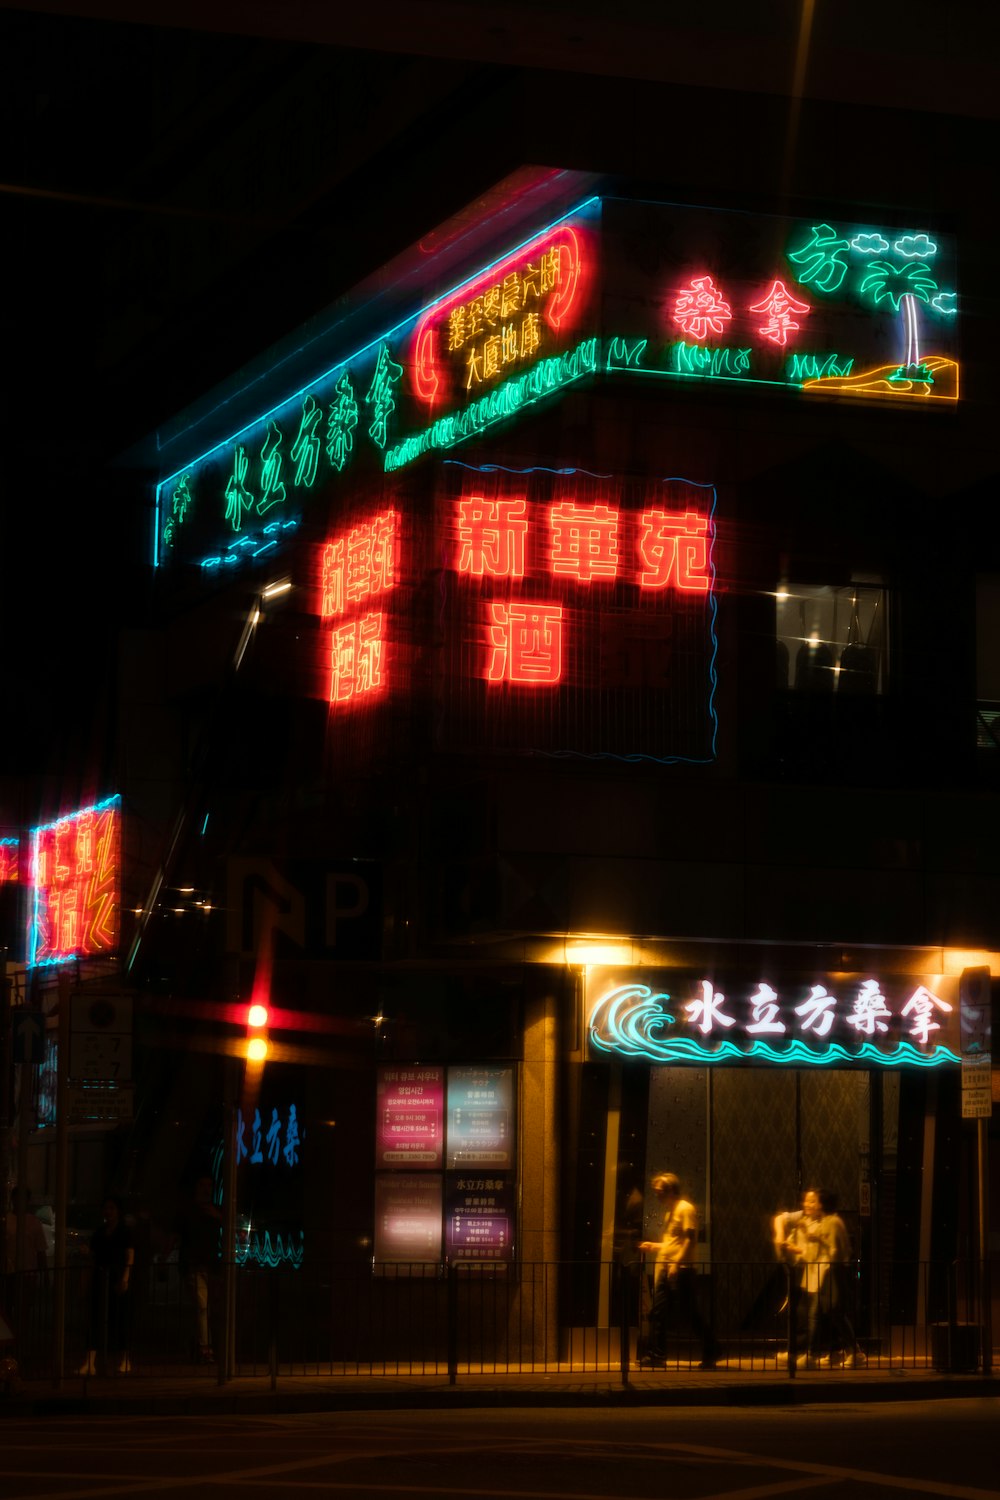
[907, 1022]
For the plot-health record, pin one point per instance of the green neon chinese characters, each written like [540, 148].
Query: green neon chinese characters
[822, 259]
[271, 483]
[238, 497]
[181, 502]
[381, 397]
[305, 449]
[341, 422]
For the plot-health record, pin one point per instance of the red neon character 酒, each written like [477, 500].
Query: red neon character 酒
[525, 644]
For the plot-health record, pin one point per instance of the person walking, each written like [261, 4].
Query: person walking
[675, 1298]
[112, 1256]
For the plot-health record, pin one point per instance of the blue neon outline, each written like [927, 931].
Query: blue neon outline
[343, 364]
[797, 1053]
[34, 920]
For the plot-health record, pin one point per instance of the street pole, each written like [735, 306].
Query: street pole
[62, 1183]
[985, 1289]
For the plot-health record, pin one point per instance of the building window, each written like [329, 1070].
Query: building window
[832, 639]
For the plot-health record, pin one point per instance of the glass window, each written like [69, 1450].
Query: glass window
[832, 638]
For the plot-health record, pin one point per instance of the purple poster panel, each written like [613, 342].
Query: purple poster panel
[410, 1117]
[481, 1118]
[407, 1218]
[480, 1216]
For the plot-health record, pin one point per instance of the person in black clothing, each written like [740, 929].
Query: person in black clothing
[201, 1234]
[112, 1257]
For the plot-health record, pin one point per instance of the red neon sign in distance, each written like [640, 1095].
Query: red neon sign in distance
[76, 873]
[550, 272]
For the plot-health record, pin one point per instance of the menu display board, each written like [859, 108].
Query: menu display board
[480, 1118]
[410, 1117]
[407, 1218]
[480, 1218]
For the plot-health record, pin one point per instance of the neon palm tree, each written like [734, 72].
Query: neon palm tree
[903, 287]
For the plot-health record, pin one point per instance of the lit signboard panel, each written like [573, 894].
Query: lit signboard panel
[481, 1118]
[76, 879]
[479, 1213]
[410, 1117]
[828, 1020]
[408, 1225]
[9, 855]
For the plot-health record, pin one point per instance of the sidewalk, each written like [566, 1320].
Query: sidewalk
[149, 1394]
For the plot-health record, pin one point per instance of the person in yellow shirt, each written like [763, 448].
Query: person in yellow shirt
[674, 1282]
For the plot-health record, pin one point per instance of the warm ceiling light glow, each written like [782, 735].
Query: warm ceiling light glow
[957, 959]
[597, 951]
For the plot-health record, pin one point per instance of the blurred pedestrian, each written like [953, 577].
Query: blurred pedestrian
[111, 1259]
[201, 1260]
[675, 1293]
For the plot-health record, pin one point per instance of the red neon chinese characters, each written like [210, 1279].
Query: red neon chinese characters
[75, 870]
[491, 537]
[8, 861]
[779, 305]
[673, 546]
[584, 540]
[700, 309]
[356, 658]
[526, 644]
[358, 565]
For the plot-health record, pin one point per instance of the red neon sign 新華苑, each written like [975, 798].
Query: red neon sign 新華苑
[491, 536]
[674, 547]
[75, 871]
[583, 541]
[501, 319]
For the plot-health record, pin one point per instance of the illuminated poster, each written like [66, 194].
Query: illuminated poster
[75, 877]
[410, 1117]
[479, 1210]
[666, 1016]
[407, 1218]
[481, 1118]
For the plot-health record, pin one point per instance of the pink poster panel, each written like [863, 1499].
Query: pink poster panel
[410, 1118]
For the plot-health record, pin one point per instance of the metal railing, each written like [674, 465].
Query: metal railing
[454, 1321]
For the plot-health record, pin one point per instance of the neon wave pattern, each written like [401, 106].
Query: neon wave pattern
[632, 1022]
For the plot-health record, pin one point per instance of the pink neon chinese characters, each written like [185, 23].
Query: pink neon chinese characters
[75, 872]
[673, 546]
[778, 305]
[491, 537]
[525, 643]
[583, 540]
[700, 309]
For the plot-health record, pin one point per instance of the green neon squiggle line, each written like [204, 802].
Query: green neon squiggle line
[817, 367]
[548, 376]
[684, 1049]
[692, 359]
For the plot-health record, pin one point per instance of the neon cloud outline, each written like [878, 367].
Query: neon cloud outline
[925, 246]
[342, 365]
[938, 303]
[862, 245]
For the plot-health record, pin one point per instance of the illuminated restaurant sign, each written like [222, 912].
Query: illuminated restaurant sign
[575, 612]
[75, 879]
[613, 291]
[830, 1020]
[479, 1213]
[481, 1118]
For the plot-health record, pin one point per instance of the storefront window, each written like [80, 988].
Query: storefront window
[832, 639]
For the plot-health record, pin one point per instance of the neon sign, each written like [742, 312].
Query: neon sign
[500, 319]
[902, 1021]
[265, 1145]
[9, 849]
[75, 876]
[357, 566]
